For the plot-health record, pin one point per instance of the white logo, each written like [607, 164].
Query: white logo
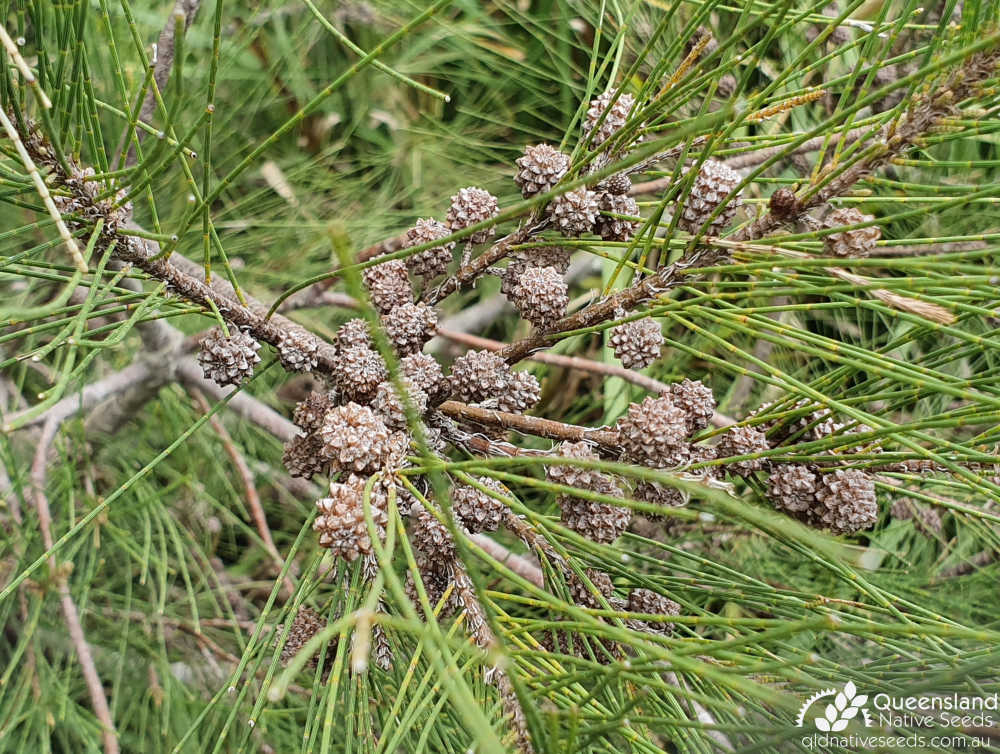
[844, 708]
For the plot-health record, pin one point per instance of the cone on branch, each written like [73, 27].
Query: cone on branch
[637, 343]
[228, 360]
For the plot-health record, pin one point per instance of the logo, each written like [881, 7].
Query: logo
[845, 707]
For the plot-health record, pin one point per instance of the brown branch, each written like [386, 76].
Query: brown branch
[531, 425]
[519, 564]
[39, 475]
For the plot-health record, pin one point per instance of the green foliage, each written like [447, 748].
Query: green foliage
[275, 148]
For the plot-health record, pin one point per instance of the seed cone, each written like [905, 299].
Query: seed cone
[600, 522]
[697, 401]
[341, 522]
[575, 212]
[358, 372]
[575, 476]
[470, 206]
[637, 343]
[521, 393]
[303, 456]
[388, 285]
[431, 537]
[712, 185]
[541, 168]
[410, 326]
[424, 370]
[612, 123]
[582, 594]
[353, 333]
[616, 228]
[297, 350]
[857, 242]
[478, 511]
[434, 261]
[738, 441]
[619, 184]
[792, 488]
[654, 433]
[479, 375]
[389, 406]
[307, 624]
[648, 602]
[354, 438]
[540, 296]
[228, 361]
[847, 501]
[783, 204]
[309, 413]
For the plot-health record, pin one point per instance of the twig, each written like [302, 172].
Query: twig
[39, 475]
[517, 563]
[532, 425]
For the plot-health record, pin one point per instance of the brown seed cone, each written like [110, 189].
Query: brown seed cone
[541, 168]
[471, 206]
[478, 511]
[648, 602]
[575, 476]
[783, 204]
[576, 644]
[425, 372]
[341, 522]
[619, 184]
[847, 501]
[353, 333]
[711, 186]
[637, 343]
[792, 487]
[557, 257]
[410, 326]
[389, 406]
[228, 361]
[307, 624]
[478, 376]
[597, 521]
[434, 261]
[358, 372]
[582, 594]
[857, 242]
[303, 456]
[612, 123]
[309, 413]
[739, 441]
[431, 537]
[575, 212]
[297, 350]
[616, 228]
[388, 285]
[654, 433]
[354, 438]
[661, 494]
[696, 400]
[540, 296]
[521, 394]
[436, 580]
